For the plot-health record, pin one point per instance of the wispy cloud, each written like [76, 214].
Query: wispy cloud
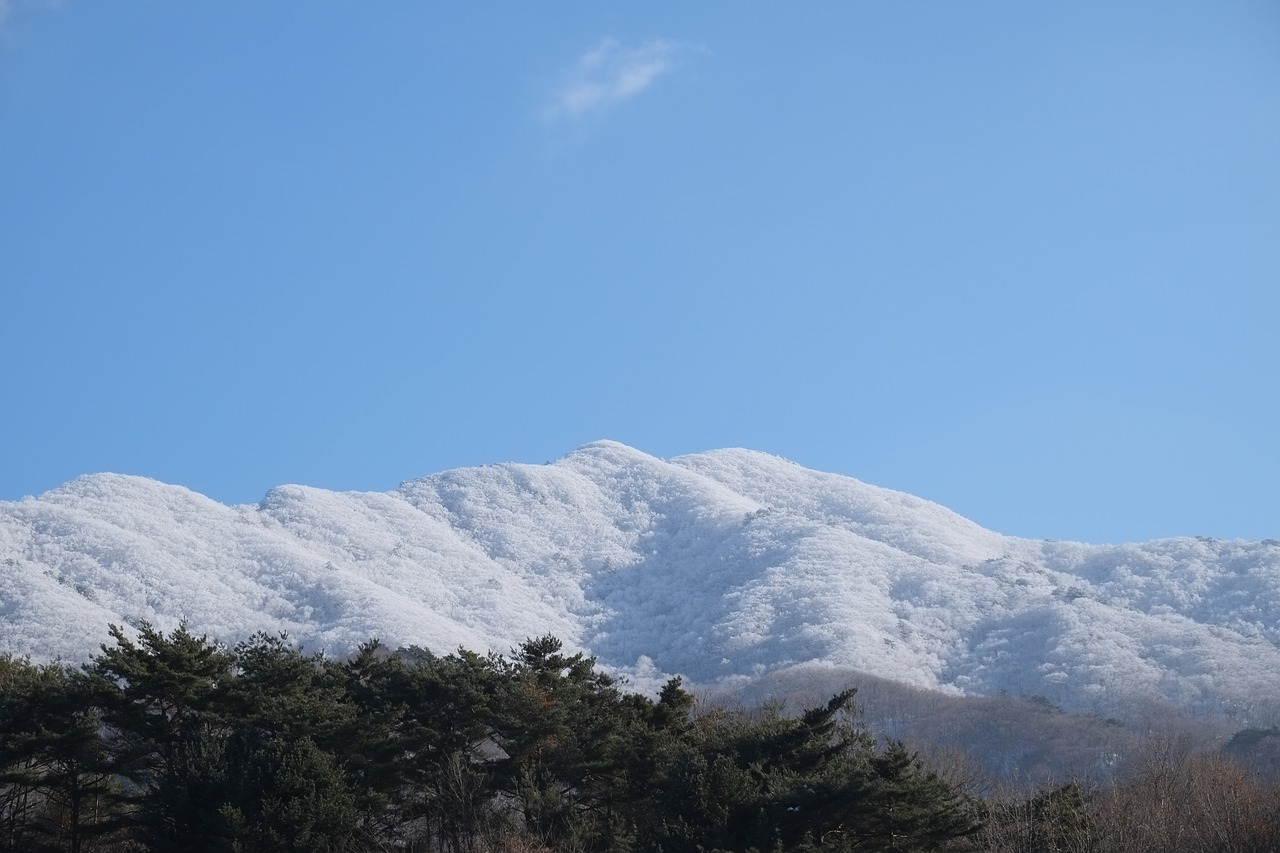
[610, 73]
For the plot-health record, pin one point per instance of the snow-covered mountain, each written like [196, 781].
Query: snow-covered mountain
[727, 564]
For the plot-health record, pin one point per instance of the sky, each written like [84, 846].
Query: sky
[1022, 259]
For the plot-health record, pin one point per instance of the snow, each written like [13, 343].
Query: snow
[721, 565]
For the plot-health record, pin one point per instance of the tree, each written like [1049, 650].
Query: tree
[163, 702]
[816, 781]
[54, 777]
[578, 757]
[284, 794]
[448, 734]
[283, 788]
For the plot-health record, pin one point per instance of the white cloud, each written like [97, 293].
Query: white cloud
[611, 73]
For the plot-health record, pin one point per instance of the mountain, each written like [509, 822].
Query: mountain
[723, 566]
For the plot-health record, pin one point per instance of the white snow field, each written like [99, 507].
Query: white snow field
[727, 564]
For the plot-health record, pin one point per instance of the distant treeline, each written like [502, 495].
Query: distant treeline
[172, 742]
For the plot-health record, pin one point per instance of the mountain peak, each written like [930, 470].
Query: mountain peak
[725, 564]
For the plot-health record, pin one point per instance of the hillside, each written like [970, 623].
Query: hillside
[722, 566]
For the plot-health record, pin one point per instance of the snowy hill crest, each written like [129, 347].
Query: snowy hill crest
[730, 563]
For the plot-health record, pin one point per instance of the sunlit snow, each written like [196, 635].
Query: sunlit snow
[724, 564]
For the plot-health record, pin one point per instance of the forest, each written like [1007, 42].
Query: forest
[175, 742]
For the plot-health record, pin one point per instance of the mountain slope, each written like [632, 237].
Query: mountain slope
[726, 564]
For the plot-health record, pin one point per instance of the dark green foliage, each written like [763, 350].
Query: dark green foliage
[281, 693]
[413, 751]
[54, 776]
[219, 749]
[555, 717]
[284, 794]
[163, 700]
[171, 742]
[282, 788]
[766, 782]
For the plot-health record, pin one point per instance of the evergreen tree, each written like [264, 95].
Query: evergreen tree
[283, 786]
[767, 782]
[21, 760]
[561, 725]
[163, 701]
[54, 777]
[284, 795]
[172, 742]
[450, 704]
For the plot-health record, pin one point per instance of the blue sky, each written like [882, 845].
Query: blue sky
[1017, 258]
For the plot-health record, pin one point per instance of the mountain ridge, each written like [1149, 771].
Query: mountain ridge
[720, 565]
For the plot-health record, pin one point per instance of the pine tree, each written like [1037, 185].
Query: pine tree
[739, 782]
[449, 728]
[54, 777]
[284, 795]
[284, 788]
[163, 700]
[562, 726]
